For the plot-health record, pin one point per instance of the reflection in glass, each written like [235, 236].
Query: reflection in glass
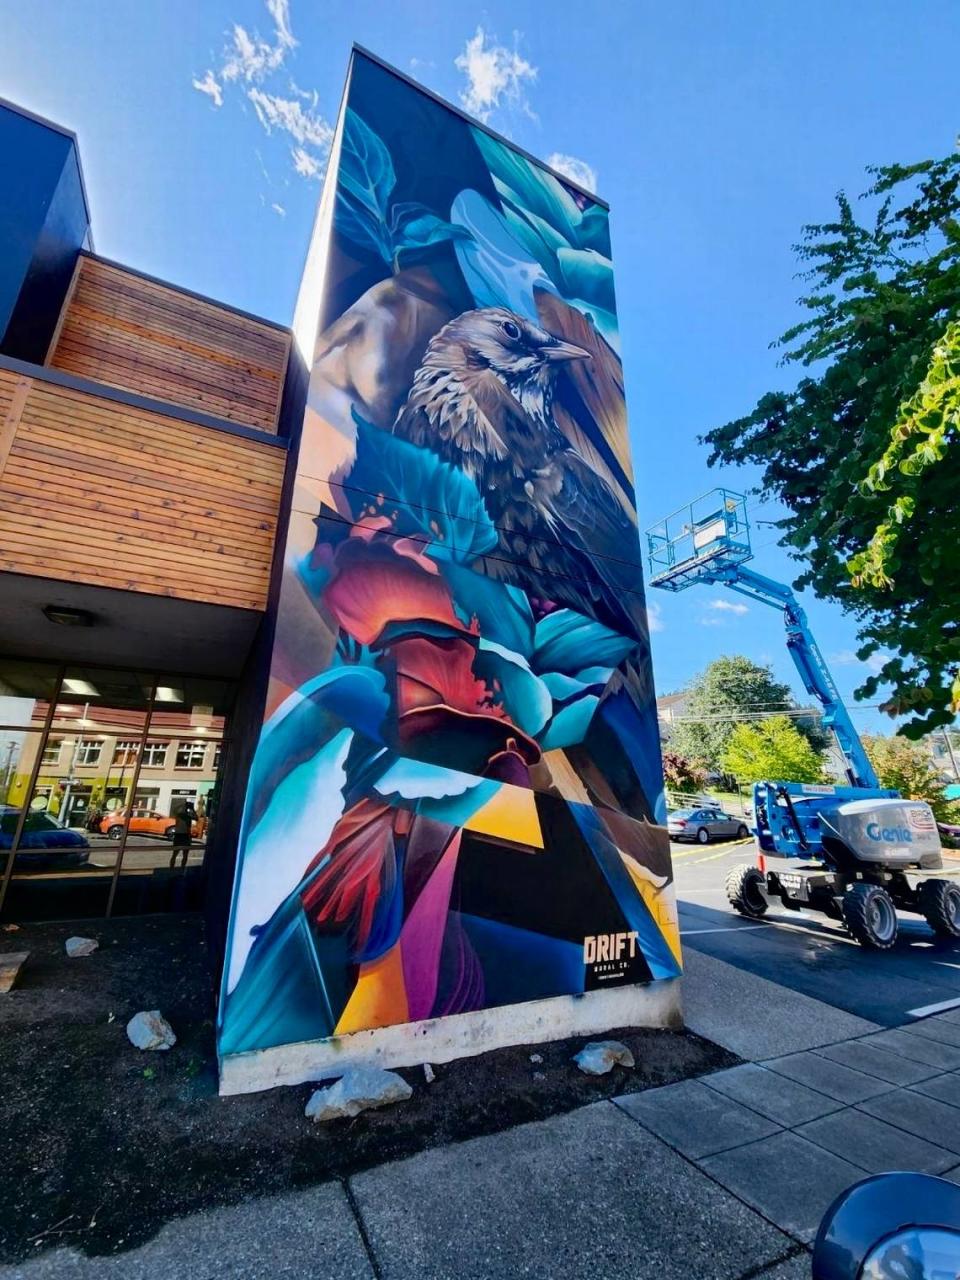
[919, 1253]
[111, 775]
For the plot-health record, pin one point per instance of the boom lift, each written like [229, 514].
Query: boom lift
[863, 851]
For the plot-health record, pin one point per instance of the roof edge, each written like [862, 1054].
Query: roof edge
[478, 124]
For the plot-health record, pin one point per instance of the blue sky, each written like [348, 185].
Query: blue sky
[715, 131]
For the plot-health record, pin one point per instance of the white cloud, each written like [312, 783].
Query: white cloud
[279, 210]
[252, 64]
[305, 127]
[307, 165]
[211, 87]
[577, 170]
[711, 622]
[845, 658]
[495, 75]
[654, 616]
[848, 658]
[729, 606]
[250, 57]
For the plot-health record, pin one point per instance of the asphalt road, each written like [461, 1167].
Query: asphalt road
[809, 952]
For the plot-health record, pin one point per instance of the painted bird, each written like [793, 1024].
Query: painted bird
[482, 400]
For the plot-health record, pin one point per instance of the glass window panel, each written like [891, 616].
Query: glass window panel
[23, 687]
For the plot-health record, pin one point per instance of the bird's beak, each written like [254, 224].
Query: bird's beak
[565, 351]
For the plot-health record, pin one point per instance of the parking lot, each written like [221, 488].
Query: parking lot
[809, 952]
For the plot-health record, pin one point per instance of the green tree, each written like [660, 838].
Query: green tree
[729, 690]
[907, 768]
[863, 452]
[772, 749]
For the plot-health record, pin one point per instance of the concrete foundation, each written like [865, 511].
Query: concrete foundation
[464, 1035]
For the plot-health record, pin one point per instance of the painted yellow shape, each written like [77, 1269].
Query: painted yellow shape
[379, 999]
[510, 814]
[660, 903]
[565, 777]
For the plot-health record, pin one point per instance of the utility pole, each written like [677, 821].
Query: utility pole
[953, 758]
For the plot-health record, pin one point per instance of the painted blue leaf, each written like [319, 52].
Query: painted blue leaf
[524, 696]
[366, 179]
[502, 611]
[568, 728]
[564, 638]
[415, 227]
[434, 501]
[498, 269]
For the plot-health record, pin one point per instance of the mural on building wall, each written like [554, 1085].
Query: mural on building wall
[456, 795]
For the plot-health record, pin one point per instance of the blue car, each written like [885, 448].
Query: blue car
[43, 844]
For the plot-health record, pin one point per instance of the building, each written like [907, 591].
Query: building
[671, 708]
[144, 438]
[367, 592]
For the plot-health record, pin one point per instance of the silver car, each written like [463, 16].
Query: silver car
[706, 824]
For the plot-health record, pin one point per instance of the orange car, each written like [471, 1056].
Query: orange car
[142, 822]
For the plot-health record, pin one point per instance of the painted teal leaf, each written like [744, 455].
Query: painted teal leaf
[366, 179]
[434, 502]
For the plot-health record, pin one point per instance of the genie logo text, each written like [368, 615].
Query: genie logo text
[889, 835]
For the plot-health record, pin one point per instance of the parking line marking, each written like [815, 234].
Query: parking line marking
[730, 928]
[926, 1009]
[714, 856]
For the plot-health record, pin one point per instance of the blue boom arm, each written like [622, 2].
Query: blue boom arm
[808, 660]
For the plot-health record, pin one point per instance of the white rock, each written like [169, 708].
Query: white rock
[602, 1056]
[536, 1058]
[358, 1089]
[428, 1073]
[149, 1029]
[80, 947]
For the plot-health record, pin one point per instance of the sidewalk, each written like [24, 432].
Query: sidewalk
[723, 1177]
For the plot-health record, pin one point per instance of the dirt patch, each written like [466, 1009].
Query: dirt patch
[101, 1144]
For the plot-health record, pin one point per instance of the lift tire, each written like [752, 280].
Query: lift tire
[703, 836]
[940, 904]
[745, 885]
[870, 915]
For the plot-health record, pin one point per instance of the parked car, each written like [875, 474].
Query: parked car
[44, 844]
[148, 822]
[704, 825]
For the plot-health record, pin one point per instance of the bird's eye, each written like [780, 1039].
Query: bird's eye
[510, 329]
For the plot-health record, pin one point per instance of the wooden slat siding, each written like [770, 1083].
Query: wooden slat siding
[149, 338]
[99, 492]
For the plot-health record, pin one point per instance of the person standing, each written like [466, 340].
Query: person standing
[183, 821]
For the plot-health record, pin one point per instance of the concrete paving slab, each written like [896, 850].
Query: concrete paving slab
[825, 1076]
[789, 1180]
[937, 1028]
[944, 1088]
[916, 1113]
[756, 1018]
[309, 1232]
[932, 1053]
[784, 1101]
[950, 1015]
[874, 1061]
[694, 1119]
[953, 1175]
[587, 1193]
[878, 1146]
